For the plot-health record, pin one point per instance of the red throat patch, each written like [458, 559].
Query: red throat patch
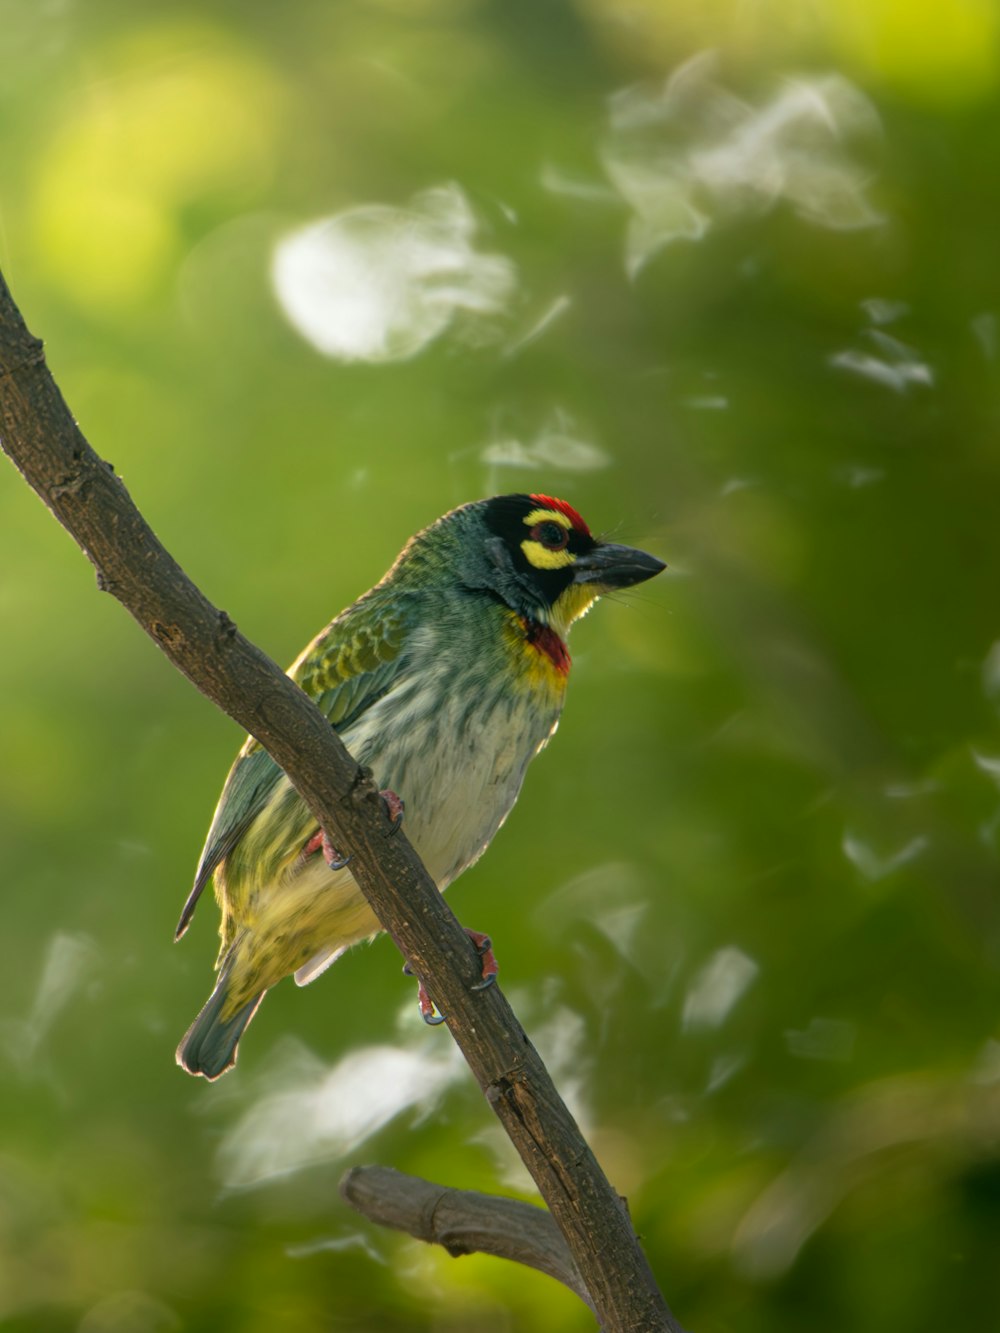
[561, 507]
[547, 641]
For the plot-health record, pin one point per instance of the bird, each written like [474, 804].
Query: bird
[445, 680]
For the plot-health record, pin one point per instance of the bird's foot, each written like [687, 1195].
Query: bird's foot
[484, 948]
[394, 807]
[320, 841]
[427, 1013]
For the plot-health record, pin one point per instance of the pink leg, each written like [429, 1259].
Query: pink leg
[484, 947]
[394, 807]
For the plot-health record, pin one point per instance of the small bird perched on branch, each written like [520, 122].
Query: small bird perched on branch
[445, 680]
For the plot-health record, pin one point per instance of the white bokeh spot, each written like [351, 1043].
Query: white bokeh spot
[377, 283]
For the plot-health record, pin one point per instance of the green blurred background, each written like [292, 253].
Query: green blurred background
[747, 904]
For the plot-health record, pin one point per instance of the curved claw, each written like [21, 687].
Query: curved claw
[426, 1005]
[486, 982]
[321, 842]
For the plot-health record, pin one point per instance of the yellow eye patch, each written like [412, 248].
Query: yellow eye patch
[547, 516]
[542, 558]
[540, 555]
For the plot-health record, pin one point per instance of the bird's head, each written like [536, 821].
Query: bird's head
[537, 556]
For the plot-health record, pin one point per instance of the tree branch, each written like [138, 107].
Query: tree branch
[463, 1221]
[40, 436]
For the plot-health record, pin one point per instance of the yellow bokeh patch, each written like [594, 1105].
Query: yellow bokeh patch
[180, 117]
[932, 52]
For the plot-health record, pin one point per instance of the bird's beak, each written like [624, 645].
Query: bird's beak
[612, 566]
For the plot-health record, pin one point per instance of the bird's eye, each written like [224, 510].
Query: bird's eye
[553, 536]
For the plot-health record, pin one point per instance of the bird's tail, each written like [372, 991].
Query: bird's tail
[209, 1045]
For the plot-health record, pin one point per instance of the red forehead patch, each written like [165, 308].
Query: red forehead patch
[548, 502]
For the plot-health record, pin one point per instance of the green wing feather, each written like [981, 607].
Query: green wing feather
[251, 781]
[346, 669]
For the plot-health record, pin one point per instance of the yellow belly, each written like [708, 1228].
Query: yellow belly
[458, 766]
